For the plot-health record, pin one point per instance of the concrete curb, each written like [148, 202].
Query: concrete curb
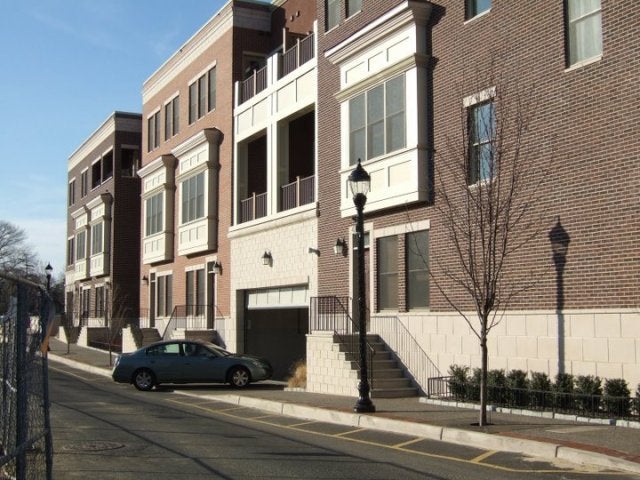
[488, 441]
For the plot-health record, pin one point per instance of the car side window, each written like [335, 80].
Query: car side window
[165, 349]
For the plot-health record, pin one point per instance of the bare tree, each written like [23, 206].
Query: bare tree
[488, 192]
[16, 256]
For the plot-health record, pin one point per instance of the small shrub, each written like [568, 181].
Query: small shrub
[496, 386]
[517, 383]
[563, 388]
[637, 400]
[474, 385]
[617, 397]
[540, 396]
[298, 378]
[459, 383]
[588, 392]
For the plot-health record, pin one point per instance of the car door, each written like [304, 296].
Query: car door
[165, 361]
[201, 364]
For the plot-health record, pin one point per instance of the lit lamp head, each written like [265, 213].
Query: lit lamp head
[359, 181]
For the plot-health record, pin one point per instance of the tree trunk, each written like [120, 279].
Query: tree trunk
[483, 381]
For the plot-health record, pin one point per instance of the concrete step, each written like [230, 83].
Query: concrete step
[388, 373]
[394, 393]
[391, 383]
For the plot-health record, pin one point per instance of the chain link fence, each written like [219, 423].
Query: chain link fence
[26, 450]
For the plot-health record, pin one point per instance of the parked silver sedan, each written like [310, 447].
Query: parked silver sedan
[188, 361]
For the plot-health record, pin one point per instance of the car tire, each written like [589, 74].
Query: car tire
[239, 377]
[144, 379]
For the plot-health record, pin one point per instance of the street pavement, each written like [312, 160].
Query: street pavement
[608, 446]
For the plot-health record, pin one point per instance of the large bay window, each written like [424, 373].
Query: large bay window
[81, 245]
[154, 207]
[97, 238]
[377, 123]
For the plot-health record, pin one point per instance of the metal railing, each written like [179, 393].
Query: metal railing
[257, 82]
[300, 192]
[297, 55]
[192, 317]
[253, 207]
[26, 449]
[406, 349]
[331, 314]
[579, 404]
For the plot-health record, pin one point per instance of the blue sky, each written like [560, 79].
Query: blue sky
[66, 66]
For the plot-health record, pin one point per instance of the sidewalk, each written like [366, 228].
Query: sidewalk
[583, 443]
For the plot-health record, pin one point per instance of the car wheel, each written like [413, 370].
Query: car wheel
[239, 377]
[144, 379]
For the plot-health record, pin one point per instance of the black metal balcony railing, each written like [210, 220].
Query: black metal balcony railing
[253, 207]
[298, 55]
[300, 192]
[253, 85]
[192, 317]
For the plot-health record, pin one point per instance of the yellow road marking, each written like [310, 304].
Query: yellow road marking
[350, 432]
[406, 444]
[480, 458]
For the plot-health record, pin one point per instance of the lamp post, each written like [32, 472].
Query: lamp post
[360, 183]
[560, 239]
[48, 270]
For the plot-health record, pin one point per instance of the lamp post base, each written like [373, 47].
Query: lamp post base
[364, 405]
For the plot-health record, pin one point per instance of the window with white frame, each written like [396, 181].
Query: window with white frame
[192, 195]
[100, 301]
[584, 30]
[81, 245]
[71, 251]
[164, 295]
[332, 13]
[195, 300]
[153, 131]
[481, 122]
[84, 183]
[202, 95]
[97, 238]
[72, 193]
[377, 121]
[353, 7]
[417, 253]
[172, 118]
[387, 255]
[476, 7]
[154, 207]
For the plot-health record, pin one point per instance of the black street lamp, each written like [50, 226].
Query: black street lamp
[360, 183]
[560, 239]
[48, 270]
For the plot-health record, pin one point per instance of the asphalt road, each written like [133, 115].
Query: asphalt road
[103, 430]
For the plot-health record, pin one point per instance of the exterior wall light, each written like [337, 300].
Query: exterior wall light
[267, 259]
[340, 248]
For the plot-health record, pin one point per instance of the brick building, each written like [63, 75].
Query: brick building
[400, 86]
[102, 273]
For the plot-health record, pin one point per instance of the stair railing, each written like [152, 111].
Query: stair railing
[331, 314]
[406, 348]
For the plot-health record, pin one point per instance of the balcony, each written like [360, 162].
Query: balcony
[253, 207]
[283, 63]
[298, 193]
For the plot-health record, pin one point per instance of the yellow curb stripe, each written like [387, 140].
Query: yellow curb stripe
[350, 432]
[486, 454]
[406, 444]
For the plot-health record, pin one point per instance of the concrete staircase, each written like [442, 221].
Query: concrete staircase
[149, 336]
[389, 380]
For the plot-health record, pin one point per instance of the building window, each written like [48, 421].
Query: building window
[353, 7]
[81, 245]
[96, 239]
[195, 300]
[387, 253]
[84, 183]
[153, 131]
[85, 300]
[417, 251]
[584, 30]
[107, 166]
[377, 121]
[99, 310]
[171, 118]
[332, 13]
[96, 174]
[482, 125]
[193, 102]
[153, 214]
[193, 198]
[72, 192]
[71, 251]
[164, 296]
[212, 90]
[476, 7]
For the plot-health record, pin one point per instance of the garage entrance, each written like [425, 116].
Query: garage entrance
[276, 325]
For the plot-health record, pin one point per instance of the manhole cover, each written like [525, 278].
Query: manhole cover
[95, 446]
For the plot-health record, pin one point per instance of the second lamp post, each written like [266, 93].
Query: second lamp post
[360, 183]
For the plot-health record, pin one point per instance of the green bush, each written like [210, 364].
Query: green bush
[637, 400]
[617, 398]
[517, 383]
[459, 384]
[474, 385]
[540, 388]
[496, 387]
[562, 388]
[588, 393]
